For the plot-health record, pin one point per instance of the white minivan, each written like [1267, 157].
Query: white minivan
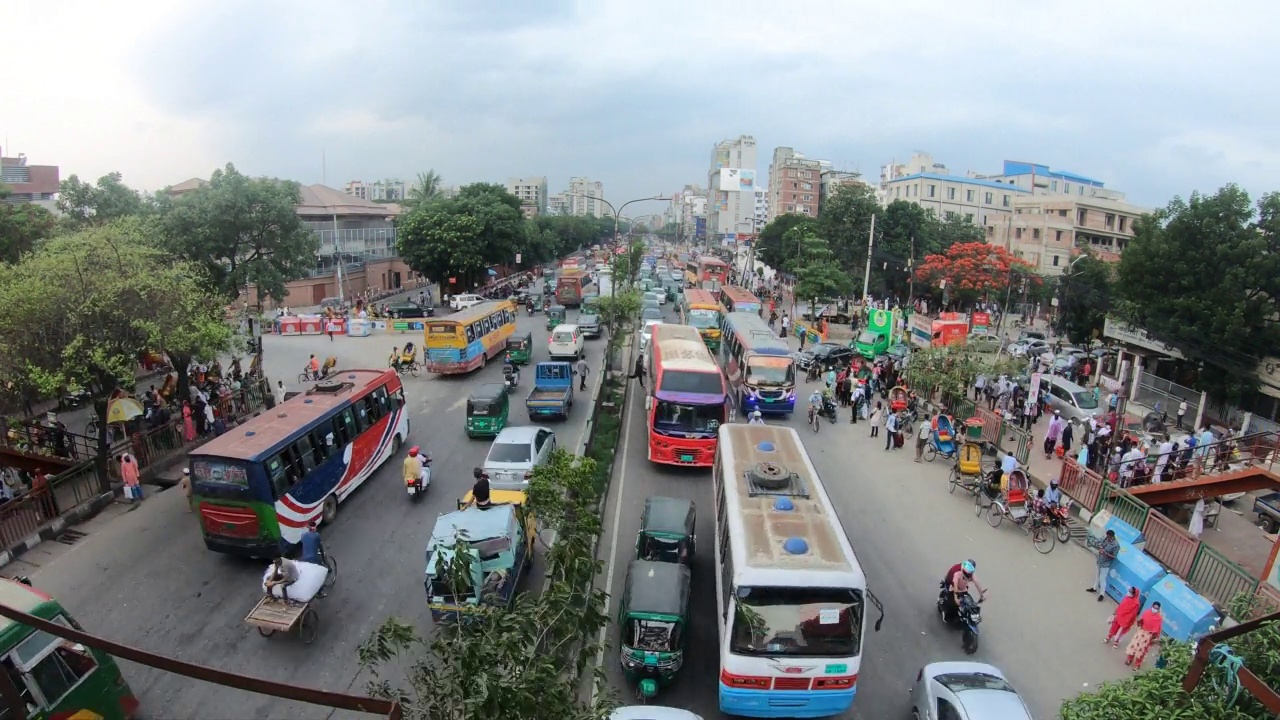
[566, 341]
[464, 301]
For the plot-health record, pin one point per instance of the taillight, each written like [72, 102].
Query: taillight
[528, 475]
[750, 682]
[835, 683]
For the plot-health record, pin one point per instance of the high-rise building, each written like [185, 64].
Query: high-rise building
[557, 204]
[762, 209]
[386, 191]
[532, 193]
[36, 184]
[833, 180]
[686, 207]
[584, 197]
[795, 183]
[731, 187]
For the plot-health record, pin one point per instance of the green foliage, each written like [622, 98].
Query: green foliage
[818, 276]
[1084, 298]
[82, 204]
[772, 249]
[22, 226]
[1203, 275]
[845, 223]
[559, 235]
[426, 190]
[946, 371]
[462, 236]
[618, 310]
[516, 663]
[242, 231]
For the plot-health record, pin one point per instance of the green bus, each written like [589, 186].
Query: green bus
[58, 678]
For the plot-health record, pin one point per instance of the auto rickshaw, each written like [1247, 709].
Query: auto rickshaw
[591, 305]
[666, 530]
[487, 410]
[897, 398]
[652, 618]
[520, 349]
[555, 316]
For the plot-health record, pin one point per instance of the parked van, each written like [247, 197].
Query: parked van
[566, 341]
[464, 301]
[1071, 400]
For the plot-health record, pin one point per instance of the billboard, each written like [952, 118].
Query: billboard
[700, 228]
[737, 180]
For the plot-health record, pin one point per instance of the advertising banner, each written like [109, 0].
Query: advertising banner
[1034, 393]
[981, 322]
[700, 228]
[737, 180]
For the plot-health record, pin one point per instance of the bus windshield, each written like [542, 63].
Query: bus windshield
[704, 319]
[797, 622]
[682, 417]
[771, 372]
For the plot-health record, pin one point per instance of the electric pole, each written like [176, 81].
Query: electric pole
[866, 277]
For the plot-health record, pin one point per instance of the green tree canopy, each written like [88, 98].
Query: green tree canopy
[22, 225]
[1203, 275]
[242, 231]
[845, 222]
[427, 189]
[771, 249]
[819, 276]
[1084, 299]
[460, 237]
[109, 199]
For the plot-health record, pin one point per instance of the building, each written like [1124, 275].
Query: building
[977, 201]
[584, 197]
[27, 183]
[1048, 230]
[686, 206]
[380, 191]
[532, 193]
[762, 208]
[185, 187]
[833, 180]
[557, 204]
[1040, 180]
[795, 183]
[731, 184]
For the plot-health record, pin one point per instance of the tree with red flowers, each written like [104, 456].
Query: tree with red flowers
[974, 268]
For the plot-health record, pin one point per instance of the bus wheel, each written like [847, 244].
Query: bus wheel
[329, 511]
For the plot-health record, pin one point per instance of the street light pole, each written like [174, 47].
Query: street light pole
[613, 286]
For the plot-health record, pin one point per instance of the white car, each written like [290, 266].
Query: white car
[658, 297]
[652, 712]
[464, 301]
[646, 333]
[566, 341]
[965, 691]
[515, 453]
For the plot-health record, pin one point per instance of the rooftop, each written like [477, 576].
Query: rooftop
[1014, 167]
[962, 180]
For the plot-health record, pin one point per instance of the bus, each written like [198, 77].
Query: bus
[699, 309]
[758, 365]
[707, 273]
[468, 339]
[55, 677]
[257, 486]
[686, 402]
[572, 286]
[792, 597]
[736, 299]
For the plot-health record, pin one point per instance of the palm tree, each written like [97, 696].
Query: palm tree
[426, 190]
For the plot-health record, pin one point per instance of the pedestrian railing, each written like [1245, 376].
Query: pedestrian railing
[1169, 543]
[1266, 601]
[1124, 506]
[1081, 484]
[1216, 577]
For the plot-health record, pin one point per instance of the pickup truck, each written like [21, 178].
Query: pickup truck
[552, 393]
[1268, 509]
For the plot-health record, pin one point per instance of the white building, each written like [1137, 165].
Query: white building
[557, 204]
[731, 187]
[584, 197]
[532, 193]
[380, 191]
[762, 209]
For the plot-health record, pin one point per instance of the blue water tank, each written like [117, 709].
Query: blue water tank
[1187, 614]
[1125, 532]
[1132, 568]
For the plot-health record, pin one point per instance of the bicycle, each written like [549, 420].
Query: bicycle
[815, 418]
[307, 376]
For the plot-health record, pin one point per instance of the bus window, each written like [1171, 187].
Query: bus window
[397, 398]
[277, 471]
[302, 447]
[362, 415]
[372, 412]
[383, 401]
[54, 665]
[345, 424]
[321, 438]
[24, 689]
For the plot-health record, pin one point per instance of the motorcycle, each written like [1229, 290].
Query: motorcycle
[510, 377]
[967, 618]
[1057, 516]
[417, 488]
[828, 409]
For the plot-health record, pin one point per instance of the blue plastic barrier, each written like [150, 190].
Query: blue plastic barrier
[1187, 614]
[1132, 568]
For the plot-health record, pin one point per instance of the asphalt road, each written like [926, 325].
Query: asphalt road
[146, 578]
[1039, 625]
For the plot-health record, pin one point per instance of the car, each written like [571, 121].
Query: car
[464, 301]
[566, 341]
[650, 312]
[646, 333]
[677, 276]
[659, 297]
[1028, 335]
[515, 453]
[965, 691]
[826, 353]
[1028, 348]
[984, 342]
[651, 712]
[409, 310]
[1070, 400]
[589, 324]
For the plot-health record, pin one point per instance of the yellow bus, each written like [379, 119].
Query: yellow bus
[700, 310]
[466, 340]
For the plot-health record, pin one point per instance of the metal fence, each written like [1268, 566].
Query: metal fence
[1216, 577]
[1123, 505]
[1169, 543]
[1081, 484]
[1168, 394]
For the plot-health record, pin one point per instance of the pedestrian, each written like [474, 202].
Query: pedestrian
[922, 437]
[638, 374]
[856, 398]
[129, 473]
[1054, 432]
[1182, 412]
[1164, 452]
[1082, 457]
[1196, 526]
[185, 484]
[877, 417]
[280, 392]
[890, 428]
[786, 323]
[978, 385]
[1125, 615]
[209, 417]
[1068, 430]
[804, 335]
[188, 423]
[1107, 552]
[1150, 624]
[582, 373]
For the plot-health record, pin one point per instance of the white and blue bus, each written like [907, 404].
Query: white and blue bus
[758, 365]
[792, 597]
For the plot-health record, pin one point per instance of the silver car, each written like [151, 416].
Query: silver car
[965, 691]
[1072, 401]
[515, 453]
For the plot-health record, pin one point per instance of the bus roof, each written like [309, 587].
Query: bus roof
[572, 272]
[25, 599]
[739, 294]
[708, 260]
[473, 313]
[755, 335]
[250, 440]
[680, 347]
[697, 296]
[770, 523]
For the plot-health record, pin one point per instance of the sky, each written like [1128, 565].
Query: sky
[1154, 98]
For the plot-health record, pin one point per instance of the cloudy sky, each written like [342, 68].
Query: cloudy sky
[1154, 98]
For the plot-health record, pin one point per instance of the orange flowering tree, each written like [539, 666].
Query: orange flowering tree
[974, 268]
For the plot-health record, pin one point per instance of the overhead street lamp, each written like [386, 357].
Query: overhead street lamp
[616, 219]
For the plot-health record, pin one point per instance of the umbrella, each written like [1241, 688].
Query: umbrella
[123, 409]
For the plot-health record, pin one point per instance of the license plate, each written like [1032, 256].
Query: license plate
[686, 458]
[412, 490]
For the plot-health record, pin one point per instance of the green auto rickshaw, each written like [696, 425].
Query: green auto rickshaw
[520, 348]
[672, 290]
[487, 410]
[667, 530]
[652, 622]
[555, 316]
[591, 305]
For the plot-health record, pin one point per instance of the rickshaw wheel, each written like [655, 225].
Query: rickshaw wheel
[930, 453]
[978, 507]
[265, 632]
[1043, 539]
[413, 369]
[308, 626]
[332, 577]
[953, 481]
[995, 514]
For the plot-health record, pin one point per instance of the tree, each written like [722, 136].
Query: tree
[521, 663]
[242, 231]
[970, 270]
[109, 199]
[771, 249]
[845, 223]
[818, 276]
[461, 237]
[22, 225]
[1084, 298]
[81, 309]
[905, 234]
[426, 190]
[955, 229]
[1203, 276]
[948, 371]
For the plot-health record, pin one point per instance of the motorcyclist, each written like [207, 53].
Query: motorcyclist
[756, 418]
[509, 370]
[956, 584]
[415, 470]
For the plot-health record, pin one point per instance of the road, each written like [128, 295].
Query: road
[1039, 625]
[146, 578]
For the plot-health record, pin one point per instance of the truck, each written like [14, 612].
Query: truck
[881, 333]
[948, 329]
[552, 393]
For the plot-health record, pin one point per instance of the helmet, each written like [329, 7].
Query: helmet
[755, 413]
[413, 450]
[968, 566]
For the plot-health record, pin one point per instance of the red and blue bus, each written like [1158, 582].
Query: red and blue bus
[708, 273]
[758, 365]
[686, 403]
[735, 299]
[257, 486]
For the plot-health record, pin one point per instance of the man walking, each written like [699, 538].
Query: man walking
[922, 437]
[582, 373]
[890, 429]
[1182, 412]
[1107, 553]
[638, 374]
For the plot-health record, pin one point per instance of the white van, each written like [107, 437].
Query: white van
[566, 341]
[464, 301]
